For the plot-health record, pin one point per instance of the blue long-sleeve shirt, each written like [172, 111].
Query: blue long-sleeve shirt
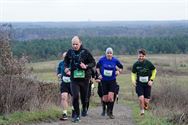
[108, 68]
[60, 69]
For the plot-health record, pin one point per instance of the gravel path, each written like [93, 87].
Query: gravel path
[122, 117]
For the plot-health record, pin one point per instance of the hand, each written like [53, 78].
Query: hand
[117, 73]
[150, 83]
[97, 80]
[59, 77]
[67, 71]
[134, 83]
[83, 66]
[100, 77]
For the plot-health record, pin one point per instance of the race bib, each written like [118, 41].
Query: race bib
[143, 79]
[66, 79]
[108, 73]
[79, 74]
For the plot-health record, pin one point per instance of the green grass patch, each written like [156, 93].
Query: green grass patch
[148, 118]
[47, 77]
[31, 117]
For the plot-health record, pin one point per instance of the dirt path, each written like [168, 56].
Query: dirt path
[122, 117]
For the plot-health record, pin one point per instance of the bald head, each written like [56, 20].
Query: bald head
[76, 43]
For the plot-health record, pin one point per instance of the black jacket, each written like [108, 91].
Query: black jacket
[74, 58]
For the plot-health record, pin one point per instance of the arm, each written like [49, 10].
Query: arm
[119, 68]
[153, 75]
[59, 69]
[98, 70]
[93, 73]
[92, 62]
[134, 75]
[133, 78]
[67, 62]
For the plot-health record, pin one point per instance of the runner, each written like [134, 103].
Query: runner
[143, 74]
[106, 68]
[64, 87]
[81, 62]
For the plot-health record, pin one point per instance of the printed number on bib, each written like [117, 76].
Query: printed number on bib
[66, 79]
[108, 72]
[143, 79]
[79, 74]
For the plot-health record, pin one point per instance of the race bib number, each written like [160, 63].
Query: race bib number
[108, 73]
[79, 74]
[143, 79]
[66, 79]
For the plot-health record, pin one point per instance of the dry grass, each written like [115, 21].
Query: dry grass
[21, 94]
[171, 100]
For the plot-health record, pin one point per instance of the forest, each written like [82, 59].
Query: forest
[45, 41]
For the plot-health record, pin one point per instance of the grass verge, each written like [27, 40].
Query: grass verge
[51, 114]
[148, 118]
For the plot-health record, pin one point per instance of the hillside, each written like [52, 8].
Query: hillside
[23, 31]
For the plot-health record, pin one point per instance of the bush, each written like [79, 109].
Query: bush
[20, 94]
[171, 100]
[18, 90]
[17, 94]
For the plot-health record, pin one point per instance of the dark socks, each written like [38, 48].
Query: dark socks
[104, 106]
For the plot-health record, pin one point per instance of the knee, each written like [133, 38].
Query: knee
[110, 96]
[105, 98]
[64, 97]
[141, 98]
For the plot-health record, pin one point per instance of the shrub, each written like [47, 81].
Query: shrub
[171, 100]
[18, 89]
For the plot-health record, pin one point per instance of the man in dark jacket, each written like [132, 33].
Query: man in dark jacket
[81, 62]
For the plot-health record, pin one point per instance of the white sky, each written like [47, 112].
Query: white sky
[92, 10]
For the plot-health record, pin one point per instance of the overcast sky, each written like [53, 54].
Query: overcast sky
[92, 10]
